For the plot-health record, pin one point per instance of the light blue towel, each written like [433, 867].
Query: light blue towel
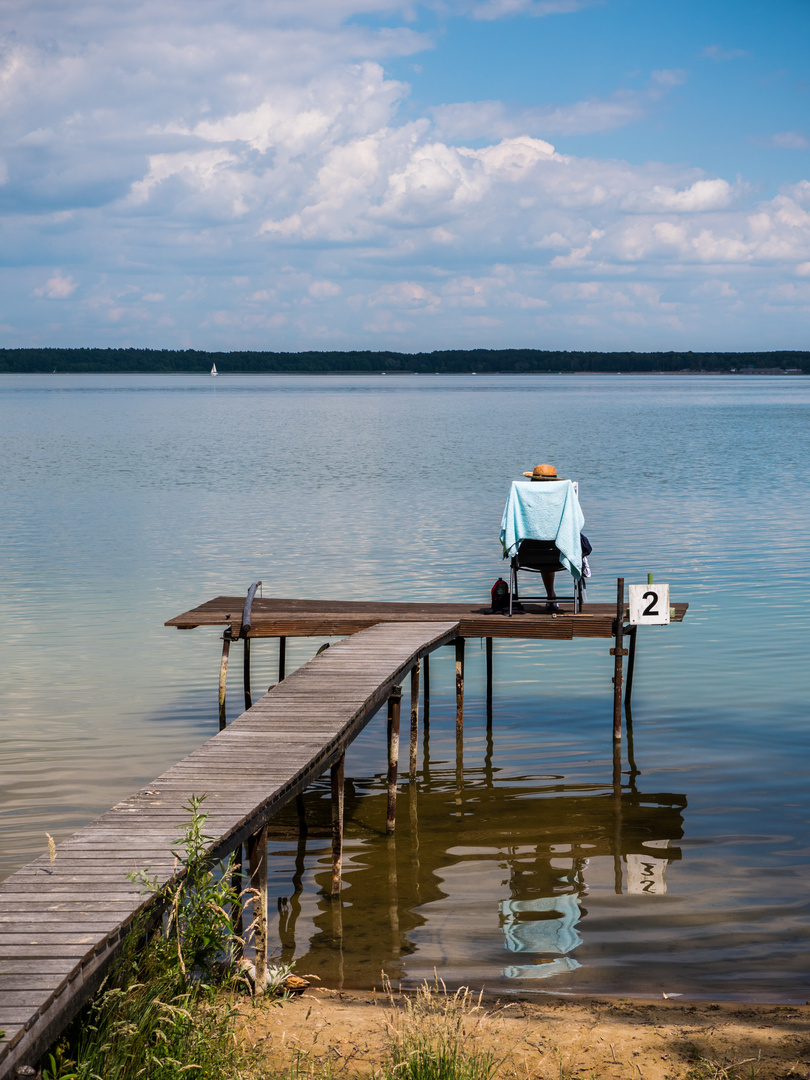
[548, 510]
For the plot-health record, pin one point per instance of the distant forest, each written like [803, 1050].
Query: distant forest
[445, 362]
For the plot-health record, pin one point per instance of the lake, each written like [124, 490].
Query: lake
[127, 500]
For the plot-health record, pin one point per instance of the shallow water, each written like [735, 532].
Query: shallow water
[129, 499]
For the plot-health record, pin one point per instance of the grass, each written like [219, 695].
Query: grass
[434, 1038]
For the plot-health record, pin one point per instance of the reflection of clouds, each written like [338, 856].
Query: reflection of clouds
[546, 924]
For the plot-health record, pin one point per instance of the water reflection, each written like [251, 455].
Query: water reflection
[511, 860]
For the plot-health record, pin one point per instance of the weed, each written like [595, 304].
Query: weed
[434, 1038]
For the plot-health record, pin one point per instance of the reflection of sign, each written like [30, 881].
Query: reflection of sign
[645, 873]
[544, 969]
[649, 605]
[546, 924]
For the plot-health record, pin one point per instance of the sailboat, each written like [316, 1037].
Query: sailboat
[214, 369]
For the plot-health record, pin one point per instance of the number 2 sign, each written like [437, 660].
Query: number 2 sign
[649, 605]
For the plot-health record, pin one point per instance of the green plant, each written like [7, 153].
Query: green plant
[157, 1016]
[199, 902]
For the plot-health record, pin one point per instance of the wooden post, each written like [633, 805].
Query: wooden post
[459, 685]
[282, 658]
[618, 652]
[393, 757]
[414, 718]
[237, 883]
[248, 701]
[336, 776]
[257, 857]
[489, 684]
[631, 663]
[303, 828]
[223, 675]
[617, 818]
[426, 692]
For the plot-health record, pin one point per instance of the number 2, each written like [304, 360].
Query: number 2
[650, 608]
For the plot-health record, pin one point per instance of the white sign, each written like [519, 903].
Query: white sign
[649, 605]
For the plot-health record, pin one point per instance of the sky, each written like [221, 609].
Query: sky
[387, 174]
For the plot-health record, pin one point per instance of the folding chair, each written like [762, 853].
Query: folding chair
[535, 556]
[541, 531]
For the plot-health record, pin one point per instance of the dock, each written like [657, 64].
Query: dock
[64, 917]
[62, 922]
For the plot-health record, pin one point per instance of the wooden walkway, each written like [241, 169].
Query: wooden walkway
[62, 922]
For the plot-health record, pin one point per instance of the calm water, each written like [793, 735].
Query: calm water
[127, 500]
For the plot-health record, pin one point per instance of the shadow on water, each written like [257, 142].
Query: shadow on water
[485, 875]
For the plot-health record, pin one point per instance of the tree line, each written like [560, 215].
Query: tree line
[443, 361]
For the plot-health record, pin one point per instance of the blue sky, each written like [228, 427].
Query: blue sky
[375, 174]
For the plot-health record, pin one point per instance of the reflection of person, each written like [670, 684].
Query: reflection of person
[538, 474]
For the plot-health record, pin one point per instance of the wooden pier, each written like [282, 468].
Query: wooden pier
[63, 921]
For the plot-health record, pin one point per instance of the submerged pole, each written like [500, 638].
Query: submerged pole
[257, 856]
[631, 663]
[414, 718]
[394, 702]
[336, 777]
[426, 690]
[489, 683]
[459, 685]
[618, 652]
[223, 675]
[303, 828]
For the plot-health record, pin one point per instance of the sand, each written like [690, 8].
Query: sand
[560, 1038]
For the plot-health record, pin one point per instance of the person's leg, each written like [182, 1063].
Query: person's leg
[548, 581]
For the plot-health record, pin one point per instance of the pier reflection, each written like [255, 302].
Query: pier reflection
[479, 866]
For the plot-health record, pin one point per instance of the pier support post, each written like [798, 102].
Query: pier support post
[336, 777]
[246, 669]
[257, 857]
[618, 652]
[617, 818]
[426, 691]
[459, 685]
[223, 675]
[301, 809]
[282, 658]
[631, 663]
[415, 670]
[237, 874]
[489, 683]
[394, 702]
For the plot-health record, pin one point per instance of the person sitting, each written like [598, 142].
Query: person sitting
[539, 474]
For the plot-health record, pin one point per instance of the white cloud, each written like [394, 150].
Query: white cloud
[699, 197]
[57, 287]
[787, 140]
[499, 9]
[719, 53]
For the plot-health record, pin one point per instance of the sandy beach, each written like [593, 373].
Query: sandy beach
[350, 1032]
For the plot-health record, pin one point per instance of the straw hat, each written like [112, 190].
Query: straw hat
[543, 472]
